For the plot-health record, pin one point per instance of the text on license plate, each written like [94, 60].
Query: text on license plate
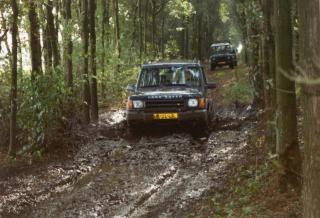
[165, 116]
[222, 62]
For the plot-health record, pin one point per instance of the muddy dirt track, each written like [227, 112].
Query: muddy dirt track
[170, 174]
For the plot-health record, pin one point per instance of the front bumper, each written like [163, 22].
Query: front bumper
[195, 116]
[223, 61]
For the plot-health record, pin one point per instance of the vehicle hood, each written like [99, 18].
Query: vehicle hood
[167, 93]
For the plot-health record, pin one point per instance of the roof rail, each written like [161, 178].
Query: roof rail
[196, 61]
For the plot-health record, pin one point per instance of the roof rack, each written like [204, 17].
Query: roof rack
[194, 61]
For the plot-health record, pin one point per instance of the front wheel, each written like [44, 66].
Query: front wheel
[200, 130]
[133, 130]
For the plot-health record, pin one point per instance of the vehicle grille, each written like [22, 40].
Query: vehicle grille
[165, 104]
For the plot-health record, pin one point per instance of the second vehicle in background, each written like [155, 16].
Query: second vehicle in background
[223, 54]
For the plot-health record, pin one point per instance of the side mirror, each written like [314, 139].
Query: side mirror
[131, 88]
[211, 86]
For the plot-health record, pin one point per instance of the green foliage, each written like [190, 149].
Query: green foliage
[4, 109]
[240, 92]
[241, 203]
[181, 9]
[41, 110]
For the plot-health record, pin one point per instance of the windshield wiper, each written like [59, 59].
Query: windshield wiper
[182, 85]
[150, 86]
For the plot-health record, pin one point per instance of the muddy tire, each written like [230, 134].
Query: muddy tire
[200, 130]
[231, 66]
[133, 131]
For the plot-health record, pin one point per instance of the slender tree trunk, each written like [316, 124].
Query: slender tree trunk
[104, 38]
[186, 41]
[68, 45]
[134, 23]
[309, 16]
[269, 73]
[145, 27]
[154, 29]
[47, 49]
[140, 30]
[85, 44]
[35, 45]
[93, 67]
[117, 28]
[287, 139]
[199, 36]
[163, 35]
[14, 87]
[51, 31]
[104, 19]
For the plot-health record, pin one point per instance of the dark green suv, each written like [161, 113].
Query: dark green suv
[170, 92]
[223, 54]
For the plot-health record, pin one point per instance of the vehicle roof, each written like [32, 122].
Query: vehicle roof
[220, 44]
[172, 63]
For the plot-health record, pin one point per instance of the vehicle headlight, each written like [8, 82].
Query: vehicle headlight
[193, 102]
[138, 104]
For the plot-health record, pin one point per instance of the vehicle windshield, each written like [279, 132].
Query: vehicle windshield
[221, 49]
[170, 76]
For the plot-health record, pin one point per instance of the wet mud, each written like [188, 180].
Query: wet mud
[163, 172]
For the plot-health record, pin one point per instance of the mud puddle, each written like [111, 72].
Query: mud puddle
[155, 175]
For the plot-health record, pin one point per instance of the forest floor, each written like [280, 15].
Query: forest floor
[162, 173]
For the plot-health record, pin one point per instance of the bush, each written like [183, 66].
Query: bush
[237, 92]
[43, 104]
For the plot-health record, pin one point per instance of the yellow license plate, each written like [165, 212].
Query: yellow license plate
[222, 62]
[166, 116]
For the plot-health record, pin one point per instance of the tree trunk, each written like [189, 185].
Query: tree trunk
[145, 21]
[104, 38]
[35, 45]
[13, 115]
[134, 23]
[287, 139]
[93, 67]
[163, 35]
[47, 49]
[68, 45]
[117, 28]
[199, 30]
[309, 14]
[154, 28]
[51, 30]
[140, 30]
[85, 44]
[269, 74]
